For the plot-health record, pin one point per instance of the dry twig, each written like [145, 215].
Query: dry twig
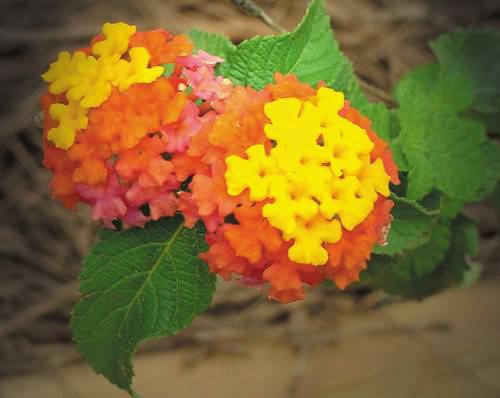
[252, 9]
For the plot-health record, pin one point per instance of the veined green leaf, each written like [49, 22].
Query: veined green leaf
[136, 285]
[430, 268]
[425, 258]
[310, 52]
[212, 43]
[411, 227]
[444, 150]
[425, 89]
[474, 55]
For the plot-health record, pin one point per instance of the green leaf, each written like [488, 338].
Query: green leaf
[491, 155]
[384, 121]
[465, 82]
[456, 267]
[453, 269]
[212, 43]
[433, 203]
[472, 274]
[398, 155]
[444, 151]
[470, 235]
[414, 264]
[474, 55]
[310, 52]
[168, 69]
[386, 124]
[105, 233]
[410, 228]
[425, 89]
[424, 259]
[491, 120]
[494, 198]
[136, 285]
[451, 208]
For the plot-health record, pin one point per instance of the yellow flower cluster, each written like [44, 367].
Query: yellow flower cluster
[87, 80]
[318, 177]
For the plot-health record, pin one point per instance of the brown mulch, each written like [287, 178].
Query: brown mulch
[42, 244]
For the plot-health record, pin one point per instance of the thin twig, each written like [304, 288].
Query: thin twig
[252, 9]
[377, 92]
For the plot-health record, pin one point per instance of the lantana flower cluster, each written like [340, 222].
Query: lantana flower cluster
[290, 181]
[117, 112]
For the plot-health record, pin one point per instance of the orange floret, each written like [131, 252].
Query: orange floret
[163, 47]
[242, 122]
[126, 117]
[348, 257]
[90, 155]
[92, 172]
[286, 285]
[209, 193]
[287, 86]
[57, 160]
[144, 163]
[221, 257]
[185, 166]
[62, 184]
[253, 234]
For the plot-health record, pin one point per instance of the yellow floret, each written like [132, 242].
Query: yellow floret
[293, 124]
[352, 210]
[59, 72]
[71, 118]
[374, 180]
[135, 71]
[309, 238]
[253, 173]
[91, 81]
[116, 39]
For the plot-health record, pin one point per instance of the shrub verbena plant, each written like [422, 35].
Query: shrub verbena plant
[263, 162]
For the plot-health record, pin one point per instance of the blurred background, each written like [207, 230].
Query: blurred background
[331, 345]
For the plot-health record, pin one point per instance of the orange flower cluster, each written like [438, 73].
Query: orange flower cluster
[242, 241]
[120, 163]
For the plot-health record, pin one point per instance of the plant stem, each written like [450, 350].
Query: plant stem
[252, 9]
